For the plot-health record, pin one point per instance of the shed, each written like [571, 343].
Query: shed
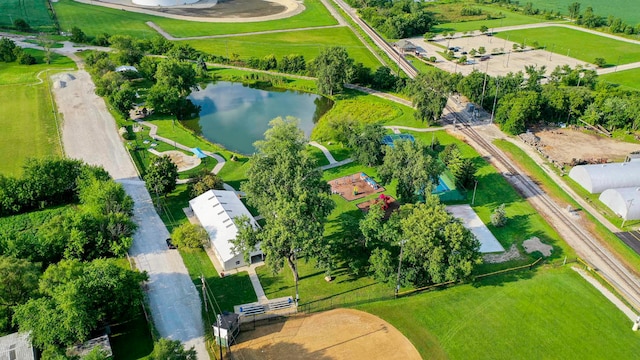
[16, 346]
[216, 211]
[405, 46]
[624, 202]
[597, 178]
[124, 68]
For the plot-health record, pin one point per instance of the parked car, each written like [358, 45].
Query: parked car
[463, 53]
[485, 57]
[170, 244]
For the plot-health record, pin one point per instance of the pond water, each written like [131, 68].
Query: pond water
[235, 115]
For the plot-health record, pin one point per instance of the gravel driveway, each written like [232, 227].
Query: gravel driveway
[89, 133]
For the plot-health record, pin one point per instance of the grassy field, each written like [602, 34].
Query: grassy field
[95, 20]
[618, 8]
[460, 24]
[549, 314]
[28, 125]
[577, 44]
[629, 79]
[34, 12]
[308, 43]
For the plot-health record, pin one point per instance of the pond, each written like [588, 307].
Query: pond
[236, 115]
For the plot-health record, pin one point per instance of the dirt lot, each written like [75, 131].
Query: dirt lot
[353, 187]
[336, 334]
[563, 145]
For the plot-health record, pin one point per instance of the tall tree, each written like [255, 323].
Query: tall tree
[366, 144]
[333, 67]
[161, 176]
[285, 186]
[166, 349]
[430, 92]
[413, 167]
[574, 10]
[19, 280]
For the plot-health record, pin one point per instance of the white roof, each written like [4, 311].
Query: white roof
[126, 68]
[624, 202]
[16, 346]
[597, 178]
[216, 210]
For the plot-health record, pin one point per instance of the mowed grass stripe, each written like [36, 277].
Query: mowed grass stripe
[627, 78]
[510, 19]
[34, 12]
[308, 43]
[577, 44]
[93, 20]
[625, 9]
[549, 314]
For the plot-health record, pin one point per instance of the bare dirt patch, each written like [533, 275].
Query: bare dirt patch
[335, 334]
[512, 254]
[534, 244]
[565, 145]
[183, 161]
[355, 186]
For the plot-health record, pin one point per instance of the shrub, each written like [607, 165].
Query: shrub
[499, 217]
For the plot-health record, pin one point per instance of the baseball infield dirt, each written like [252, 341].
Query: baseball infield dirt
[335, 334]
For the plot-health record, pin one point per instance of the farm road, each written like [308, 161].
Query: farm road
[89, 134]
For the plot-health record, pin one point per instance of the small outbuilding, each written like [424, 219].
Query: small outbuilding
[405, 46]
[124, 68]
[624, 202]
[600, 177]
[216, 211]
[16, 346]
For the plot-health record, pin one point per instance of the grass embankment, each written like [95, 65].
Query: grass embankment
[34, 12]
[551, 188]
[552, 314]
[93, 20]
[577, 44]
[27, 113]
[308, 43]
[452, 20]
[628, 79]
[618, 8]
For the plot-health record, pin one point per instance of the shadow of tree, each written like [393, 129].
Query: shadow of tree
[281, 351]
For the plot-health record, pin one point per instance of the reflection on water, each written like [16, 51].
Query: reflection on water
[235, 116]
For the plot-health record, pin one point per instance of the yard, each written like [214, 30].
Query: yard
[458, 23]
[628, 79]
[551, 313]
[617, 8]
[29, 127]
[95, 20]
[34, 12]
[576, 44]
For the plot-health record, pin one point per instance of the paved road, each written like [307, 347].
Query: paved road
[89, 133]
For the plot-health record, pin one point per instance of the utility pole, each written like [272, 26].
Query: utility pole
[495, 100]
[473, 199]
[397, 290]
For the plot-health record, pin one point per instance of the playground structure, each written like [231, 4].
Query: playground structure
[389, 204]
[355, 186]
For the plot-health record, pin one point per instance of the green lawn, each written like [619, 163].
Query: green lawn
[551, 188]
[549, 314]
[95, 20]
[510, 19]
[131, 340]
[308, 43]
[28, 125]
[629, 79]
[618, 8]
[34, 12]
[580, 45]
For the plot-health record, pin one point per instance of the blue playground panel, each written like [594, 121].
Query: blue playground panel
[442, 187]
[389, 139]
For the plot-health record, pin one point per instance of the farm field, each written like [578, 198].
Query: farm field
[548, 313]
[628, 78]
[26, 113]
[577, 44]
[618, 8]
[34, 12]
[308, 43]
[510, 19]
[95, 20]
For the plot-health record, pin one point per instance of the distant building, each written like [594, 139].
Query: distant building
[216, 210]
[624, 202]
[124, 68]
[16, 346]
[405, 46]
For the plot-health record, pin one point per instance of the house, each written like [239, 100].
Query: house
[216, 211]
[16, 346]
[405, 47]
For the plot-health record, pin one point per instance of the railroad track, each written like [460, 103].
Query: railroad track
[614, 272]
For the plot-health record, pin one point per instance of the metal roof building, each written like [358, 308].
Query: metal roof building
[598, 178]
[16, 346]
[624, 202]
[216, 210]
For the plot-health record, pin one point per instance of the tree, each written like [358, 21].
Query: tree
[574, 10]
[383, 79]
[366, 144]
[535, 74]
[482, 50]
[128, 50]
[285, 186]
[203, 182]
[333, 67]
[8, 50]
[47, 43]
[499, 216]
[161, 176]
[165, 349]
[600, 62]
[77, 35]
[410, 164]
[19, 280]
[381, 264]
[430, 92]
[189, 236]
[462, 59]
[484, 29]
[123, 99]
[25, 58]
[21, 25]
[463, 170]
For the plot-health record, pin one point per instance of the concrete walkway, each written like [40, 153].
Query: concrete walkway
[255, 282]
[325, 151]
[336, 164]
[608, 294]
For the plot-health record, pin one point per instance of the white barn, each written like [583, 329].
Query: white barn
[216, 210]
[624, 202]
[598, 178]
